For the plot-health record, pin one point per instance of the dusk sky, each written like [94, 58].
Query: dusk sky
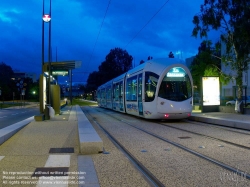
[87, 30]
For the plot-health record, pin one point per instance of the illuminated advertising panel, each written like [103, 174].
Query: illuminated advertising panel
[211, 91]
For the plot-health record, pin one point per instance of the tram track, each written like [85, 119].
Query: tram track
[209, 137]
[152, 180]
[221, 164]
[230, 129]
[207, 158]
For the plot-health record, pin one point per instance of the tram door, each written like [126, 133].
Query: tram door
[121, 95]
[140, 106]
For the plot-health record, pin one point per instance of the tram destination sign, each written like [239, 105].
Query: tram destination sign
[176, 72]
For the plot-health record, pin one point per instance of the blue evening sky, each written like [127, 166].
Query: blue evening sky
[79, 31]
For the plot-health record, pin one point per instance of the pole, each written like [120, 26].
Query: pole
[41, 94]
[43, 39]
[70, 93]
[49, 56]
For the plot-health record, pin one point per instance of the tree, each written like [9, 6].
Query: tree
[117, 62]
[94, 80]
[207, 63]
[142, 61]
[171, 55]
[232, 18]
[150, 57]
[6, 74]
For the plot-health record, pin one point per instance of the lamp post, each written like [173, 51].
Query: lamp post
[47, 19]
[0, 95]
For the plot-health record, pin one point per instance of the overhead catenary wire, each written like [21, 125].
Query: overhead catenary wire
[147, 23]
[99, 33]
[132, 38]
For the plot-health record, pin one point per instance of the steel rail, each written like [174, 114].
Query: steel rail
[150, 178]
[209, 137]
[221, 164]
[226, 128]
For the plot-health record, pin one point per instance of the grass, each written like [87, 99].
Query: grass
[7, 105]
[82, 103]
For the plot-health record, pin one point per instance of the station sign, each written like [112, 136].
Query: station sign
[62, 72]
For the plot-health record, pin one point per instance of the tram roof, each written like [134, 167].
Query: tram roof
[156, 65]
[153, 65]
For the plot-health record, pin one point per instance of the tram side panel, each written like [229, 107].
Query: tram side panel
[133, 90]
[118, 96]
[149, 84]
[109, 96]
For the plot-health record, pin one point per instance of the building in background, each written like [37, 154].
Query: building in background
[231, 89]
[21, 75]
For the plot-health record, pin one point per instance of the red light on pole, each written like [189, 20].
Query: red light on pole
[46, 18]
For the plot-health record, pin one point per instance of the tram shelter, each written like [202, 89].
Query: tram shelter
[49, 90]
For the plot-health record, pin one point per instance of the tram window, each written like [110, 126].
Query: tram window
[108, 92]
[151, 80]
[116, 91]
[121, 90]
[176, 85]
[131, 89]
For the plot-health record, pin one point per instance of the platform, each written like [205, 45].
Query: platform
[241, 121]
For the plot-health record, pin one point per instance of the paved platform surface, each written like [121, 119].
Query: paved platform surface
[46, 153]
[236, 120]
[30, 149]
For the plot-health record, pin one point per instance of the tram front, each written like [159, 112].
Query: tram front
[175, 93]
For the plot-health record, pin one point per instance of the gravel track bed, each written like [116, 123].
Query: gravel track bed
[242, 139]
[236, 157]
[114, 169]
[171, 165]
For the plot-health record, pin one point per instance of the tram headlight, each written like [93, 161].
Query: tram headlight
[166, 115]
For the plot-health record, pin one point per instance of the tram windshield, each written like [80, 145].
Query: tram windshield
[176, 85]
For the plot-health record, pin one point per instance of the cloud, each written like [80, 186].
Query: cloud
[80, 32]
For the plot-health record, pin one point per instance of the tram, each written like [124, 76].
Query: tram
[156, 89]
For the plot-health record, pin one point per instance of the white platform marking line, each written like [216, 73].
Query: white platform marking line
[58, 161]
[55, 161]
[1, 157]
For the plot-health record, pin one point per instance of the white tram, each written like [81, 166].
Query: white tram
[156, 89]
